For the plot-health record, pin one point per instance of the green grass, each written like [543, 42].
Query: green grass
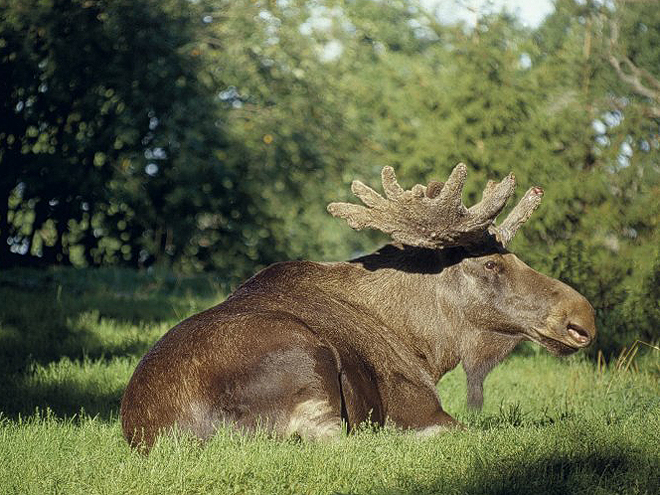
[69, 341]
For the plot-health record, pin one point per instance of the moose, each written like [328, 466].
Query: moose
[303, 348]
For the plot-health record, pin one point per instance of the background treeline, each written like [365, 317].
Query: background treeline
[210, 134]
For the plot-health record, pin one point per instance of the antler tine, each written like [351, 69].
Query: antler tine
[368, 196]
[434, 216]
[453, 188]
[493, 199]
[391, 187]
[519, 215]
[358, 217]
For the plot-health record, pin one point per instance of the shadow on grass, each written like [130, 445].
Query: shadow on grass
[38, 330]
[22, 393]
[61, 401]
[624, 471]
[48, 316]
[42, 328]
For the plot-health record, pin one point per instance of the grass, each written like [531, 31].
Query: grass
[69, 341]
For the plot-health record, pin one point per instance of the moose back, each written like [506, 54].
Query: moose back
[302, 347]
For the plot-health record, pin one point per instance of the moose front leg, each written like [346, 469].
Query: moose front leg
[416, 406]
[480, 354]
[475, 391]
[476, 374]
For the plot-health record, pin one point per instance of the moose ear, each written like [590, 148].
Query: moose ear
[434, 216]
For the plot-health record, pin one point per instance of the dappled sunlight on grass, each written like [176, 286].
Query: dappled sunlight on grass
[70, 387]
[61, 327]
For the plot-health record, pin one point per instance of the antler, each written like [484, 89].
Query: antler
[434, 216]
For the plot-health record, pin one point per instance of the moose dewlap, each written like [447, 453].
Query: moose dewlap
[302, 346]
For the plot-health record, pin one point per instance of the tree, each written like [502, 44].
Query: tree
[102, 104]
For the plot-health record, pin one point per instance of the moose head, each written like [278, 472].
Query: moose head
[303, 347]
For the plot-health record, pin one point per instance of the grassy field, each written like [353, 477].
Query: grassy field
[69, 342]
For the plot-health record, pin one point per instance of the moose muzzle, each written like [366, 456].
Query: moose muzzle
[570, 326]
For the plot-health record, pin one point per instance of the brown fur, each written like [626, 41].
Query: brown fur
[303, 346]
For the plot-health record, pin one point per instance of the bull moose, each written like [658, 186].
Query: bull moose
[302, 347]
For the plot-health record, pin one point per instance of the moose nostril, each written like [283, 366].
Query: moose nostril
[578, 333]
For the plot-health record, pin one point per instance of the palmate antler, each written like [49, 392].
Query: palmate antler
[434, 216]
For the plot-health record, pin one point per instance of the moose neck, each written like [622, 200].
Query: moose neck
[407, 289]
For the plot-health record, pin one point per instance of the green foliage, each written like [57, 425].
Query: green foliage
[641, 309]
[109, 138]
[88, 93]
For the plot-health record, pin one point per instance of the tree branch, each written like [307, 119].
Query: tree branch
[640, 80]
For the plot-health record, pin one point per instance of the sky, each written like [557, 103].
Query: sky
[530, 12]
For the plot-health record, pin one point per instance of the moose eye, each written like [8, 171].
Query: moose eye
[490, 265]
